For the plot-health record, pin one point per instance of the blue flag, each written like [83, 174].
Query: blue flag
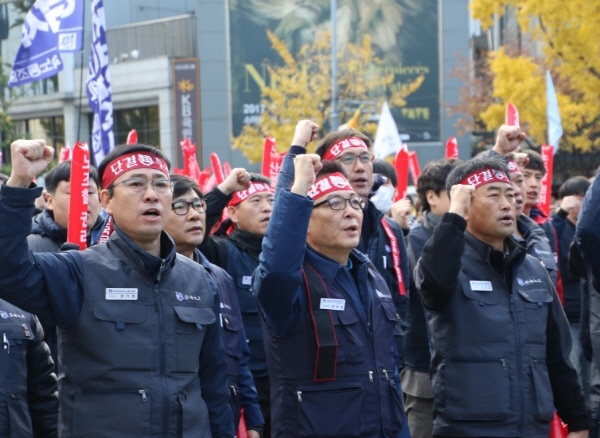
[98, 87]
[555, 130]
[51, 27]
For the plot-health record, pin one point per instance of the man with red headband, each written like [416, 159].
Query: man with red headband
[328, 314]
[140, 349]
[248, 199]
[500, 338]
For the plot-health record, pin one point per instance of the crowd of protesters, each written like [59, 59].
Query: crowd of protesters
[317, 307]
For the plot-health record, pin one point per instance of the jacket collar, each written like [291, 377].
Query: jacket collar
[143, 260]
[44, 225]
[513, 249]
[248, 241]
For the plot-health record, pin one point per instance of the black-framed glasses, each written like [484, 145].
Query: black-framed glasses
[339, 203]
[183, 207]
[138, 186]
[350, 159]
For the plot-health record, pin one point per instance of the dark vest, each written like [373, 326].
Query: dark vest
[131, 364]
[241, 265]
[363, 399]
[489, 357]
[16, 329]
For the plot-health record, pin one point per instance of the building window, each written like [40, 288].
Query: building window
[144, 120]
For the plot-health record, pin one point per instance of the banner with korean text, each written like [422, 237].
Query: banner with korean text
[50, 27]
[98, 87]
[186, 101]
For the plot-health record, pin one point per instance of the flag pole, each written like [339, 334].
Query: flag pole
[334, 66]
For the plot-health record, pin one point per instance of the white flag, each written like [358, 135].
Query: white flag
[387, 138]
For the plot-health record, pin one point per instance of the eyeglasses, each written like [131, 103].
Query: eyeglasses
[339, 203]
[350, 159]
[138, 186]
[183, 207]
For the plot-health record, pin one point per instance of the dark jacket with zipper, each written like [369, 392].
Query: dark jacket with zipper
[501, 341]
[28, 388]
[139, 344]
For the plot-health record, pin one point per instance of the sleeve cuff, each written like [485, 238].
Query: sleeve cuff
[297, 150]
[455, 219]
[20, 197]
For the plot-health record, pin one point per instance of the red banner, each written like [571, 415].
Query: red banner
[132, 137]
[452, 148]
[512, 115]
[268, 150]
[401, 166]
[78, 200]
[413, 166]
[190, 164]
[546, 188]
[217, 169]
[65, 154]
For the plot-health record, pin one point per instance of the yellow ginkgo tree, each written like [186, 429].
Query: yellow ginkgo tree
[567, 33]
[300, 88]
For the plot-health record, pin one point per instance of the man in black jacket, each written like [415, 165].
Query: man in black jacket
[501, 341]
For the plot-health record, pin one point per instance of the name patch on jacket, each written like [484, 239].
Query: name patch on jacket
[332, 304]
[121, 293]
[481, 286]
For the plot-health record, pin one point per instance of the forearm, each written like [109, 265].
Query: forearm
[216, 201]
[286, 173]
[437, 271]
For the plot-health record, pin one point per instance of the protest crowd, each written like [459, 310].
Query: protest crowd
[316, 301]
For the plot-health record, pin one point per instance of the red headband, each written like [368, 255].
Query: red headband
[512, 166]
[333, 182]
[242, 195]
[336, 150]
[134, 160]
[485, 176]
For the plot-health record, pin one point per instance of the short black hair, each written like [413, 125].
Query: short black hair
[536, 162]
[329, 167]
[330, 139]
[384, 168]
[259, 177]
[125, 149]
[474, 164]
[62, 172]
[433, 177]
[576, 186]
[183, 184]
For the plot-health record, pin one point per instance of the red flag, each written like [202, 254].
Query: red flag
[242, 432]
[65, 154]
[401, 166]
[190, 164]
[268, 150]
[78, 200]
[217, 169]
[558, 429]
[452, 148]
[226, 168]
[132, 137]
[512, 115]
[413, 166]
[546, 188]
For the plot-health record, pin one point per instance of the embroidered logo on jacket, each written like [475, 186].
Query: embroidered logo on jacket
[182, 297]
[530, 281]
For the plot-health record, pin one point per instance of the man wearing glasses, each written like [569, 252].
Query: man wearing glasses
[328, 316]
[139, 343]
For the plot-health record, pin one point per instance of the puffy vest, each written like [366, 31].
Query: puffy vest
[131, 360]
[489, 357]
[363, 400]
[241, 265]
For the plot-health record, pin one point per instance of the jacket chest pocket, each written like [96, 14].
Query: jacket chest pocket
[15, 341]
[125, 333]
[232, 327]
[535, 303]
[190, 328]
[348, 333]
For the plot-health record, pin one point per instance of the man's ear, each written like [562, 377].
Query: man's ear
[105, 199]
[49, 199]
[232, 212]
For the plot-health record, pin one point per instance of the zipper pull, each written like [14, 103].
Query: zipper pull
[299, 393]
[385, 374]
[370, 376]
[233, 390]
[5, 343]
[503, 362]
[143, 394]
